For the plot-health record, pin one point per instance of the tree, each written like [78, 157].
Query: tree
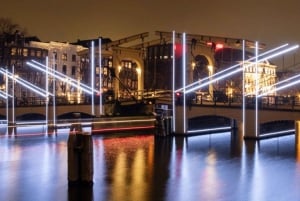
[7, 26]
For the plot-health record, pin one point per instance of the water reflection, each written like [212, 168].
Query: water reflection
[143, 167]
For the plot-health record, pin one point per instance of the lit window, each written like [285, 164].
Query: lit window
[64, 57]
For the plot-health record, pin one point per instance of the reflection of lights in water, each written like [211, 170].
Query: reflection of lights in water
[128, 159]
[119, 177]
[138, 174]
[211, 158]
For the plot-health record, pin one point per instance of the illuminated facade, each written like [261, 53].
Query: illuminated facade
[264, 77]
[63, 58]
[15, 50]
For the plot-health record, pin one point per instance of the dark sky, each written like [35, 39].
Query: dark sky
[273, 22]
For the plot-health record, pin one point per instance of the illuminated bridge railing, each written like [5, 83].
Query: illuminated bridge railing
[265, 102]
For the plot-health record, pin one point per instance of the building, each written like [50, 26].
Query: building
[64, 58]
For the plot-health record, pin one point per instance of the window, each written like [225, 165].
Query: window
[25, 52]
[73, 70]
[64, 57]
[38, 53]
[73, 57]
[64, 69]
[13, 51]
[55, 55]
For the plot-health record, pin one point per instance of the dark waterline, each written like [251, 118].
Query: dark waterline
[216, 167]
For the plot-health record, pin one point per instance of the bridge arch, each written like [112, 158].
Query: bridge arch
[208, 122]
[130, 68]
[31, 117]
[74, 115]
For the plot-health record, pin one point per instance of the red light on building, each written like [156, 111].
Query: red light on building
[178, 50]
[219, 46]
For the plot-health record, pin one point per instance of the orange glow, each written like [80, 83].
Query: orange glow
[219, 46]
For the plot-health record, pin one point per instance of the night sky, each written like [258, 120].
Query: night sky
[273, 22]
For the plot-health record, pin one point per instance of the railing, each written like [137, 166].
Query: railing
[265, 102]
[85, 100]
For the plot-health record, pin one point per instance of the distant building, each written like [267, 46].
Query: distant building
[63, 57]
[15, 51]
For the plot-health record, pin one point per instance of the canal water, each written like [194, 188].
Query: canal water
[141, 167]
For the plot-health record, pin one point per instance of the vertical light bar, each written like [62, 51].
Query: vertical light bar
[92, 60]
[256, 89]
[47, 93]
[6, 90]
[244, 98]
[100, 77]
[13, 96]
[173, 83]
[54, 91]
[184, 79]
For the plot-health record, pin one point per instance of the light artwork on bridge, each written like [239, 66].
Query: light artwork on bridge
[62, 77]
[25, 83]
[236, 69]
[203, 81]
[173, 83]
[100, 76]
[92, 76]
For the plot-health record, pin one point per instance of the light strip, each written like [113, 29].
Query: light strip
[209, 129]
[3, 95]
[184, 79]
[53, 90]
[240, 69]
[100, 76]
[276, 133]
[280, 88]
[92, 58]
[173, 84]
[6, 91]
[47, 92]
[64, 77]
[279, 83]
[13, 94]
[19, 79]
[21, 82]
[256, 89]
[244, 97]
[232, 67]
[59, 77]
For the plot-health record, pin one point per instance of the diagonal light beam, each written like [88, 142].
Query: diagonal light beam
[280, 88]
[232, 67]
[25, 83]
[65, 78]
[240, 69]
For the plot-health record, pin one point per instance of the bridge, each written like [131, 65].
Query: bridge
[210, 117]
[253, 121]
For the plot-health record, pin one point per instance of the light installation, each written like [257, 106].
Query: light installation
[244, 97]
[257, 60]
[100, 76]
[256, 89]
[184, 79]
[25, 83]
[232, 67]
[93, 76]
[69, 80]
[62, 76]
[240, 69]
[173, 83]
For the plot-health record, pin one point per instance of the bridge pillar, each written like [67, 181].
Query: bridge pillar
[297, 139]
[179, 121]
[250, 125]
